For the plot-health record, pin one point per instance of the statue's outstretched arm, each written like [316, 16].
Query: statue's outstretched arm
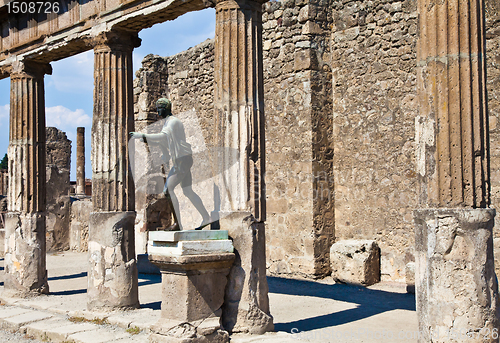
[154, 138]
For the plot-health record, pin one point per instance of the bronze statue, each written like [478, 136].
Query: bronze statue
[172, 142]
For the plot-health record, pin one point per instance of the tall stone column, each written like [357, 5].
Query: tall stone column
[80, 160]
[112, 281]
[25, 263]
[239, 112]
[456, 287]
[239, 106]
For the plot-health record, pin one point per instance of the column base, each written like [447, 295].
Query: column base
[456, 285]
[25, 259]
[208, 331]
[112, 277]
[246, 303]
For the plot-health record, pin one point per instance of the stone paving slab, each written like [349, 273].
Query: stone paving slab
[142, 318]
[63, 332]
[100, 335]
[39, 329]
[14, 323]
[139, 338]
[7, 312]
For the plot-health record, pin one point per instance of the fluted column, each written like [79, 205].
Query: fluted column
[239, 106]
[25, 263]
[113, 270]
[80, 160]
[456, 287]
[452, 130]
[239, 112]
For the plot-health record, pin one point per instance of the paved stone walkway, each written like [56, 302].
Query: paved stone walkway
[303, 310]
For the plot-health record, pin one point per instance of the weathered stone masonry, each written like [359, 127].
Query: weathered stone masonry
[25, 270]
[455, 279]
[371, 48]
[113, 269]
[295, 196]
[58, 187]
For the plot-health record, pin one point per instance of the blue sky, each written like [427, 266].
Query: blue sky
[69, 90]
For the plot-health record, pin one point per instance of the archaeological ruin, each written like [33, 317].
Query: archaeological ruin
[367, 136]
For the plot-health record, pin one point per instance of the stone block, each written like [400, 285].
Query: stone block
[302, 60]
[246, 301]
[188, 235]
[189, 242]
[190, 247]
[311, 27]
[355, 262]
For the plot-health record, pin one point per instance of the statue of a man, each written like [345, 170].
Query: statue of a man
[172, 142]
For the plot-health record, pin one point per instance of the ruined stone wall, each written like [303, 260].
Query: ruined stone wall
[374, 60]
[58, 186]
[298, 110]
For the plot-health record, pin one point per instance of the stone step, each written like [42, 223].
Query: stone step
[56, 328]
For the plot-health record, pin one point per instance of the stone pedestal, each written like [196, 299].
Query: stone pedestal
[25, 223]
[25, 263]
[112, 277]
[194, 278]
[112, 266]
[456, 286]
[246, 304]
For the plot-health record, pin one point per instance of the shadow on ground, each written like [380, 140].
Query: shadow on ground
[66, 277]
[369, 302]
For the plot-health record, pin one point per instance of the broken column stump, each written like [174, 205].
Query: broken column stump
[246, 304]
[355, 262]
[456, 286]
[194, 267]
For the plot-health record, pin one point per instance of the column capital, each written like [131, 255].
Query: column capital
[29, 68]
[116, 39]
[234, 4]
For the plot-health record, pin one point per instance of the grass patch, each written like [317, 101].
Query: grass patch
[98, 321]
[78, 320]
[133, 331]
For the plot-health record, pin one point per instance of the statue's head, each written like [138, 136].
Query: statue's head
[164, 107]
